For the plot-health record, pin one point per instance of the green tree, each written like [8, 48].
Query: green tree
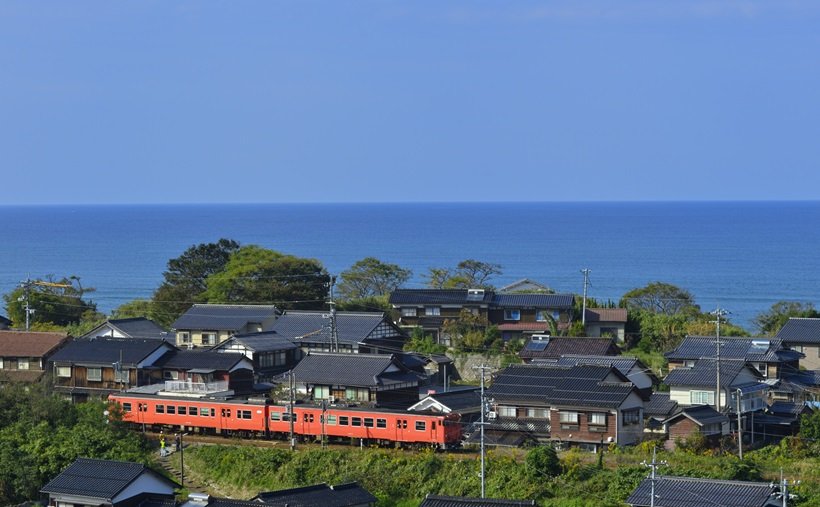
[55, 302]
[371, 277]
[423, 343]
[660, 298]
[770, 321]
[468, 274]
[186, 278]
[256, 275]
[133, 309]
[543, 462]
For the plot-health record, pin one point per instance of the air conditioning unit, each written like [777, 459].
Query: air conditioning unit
[491, 415]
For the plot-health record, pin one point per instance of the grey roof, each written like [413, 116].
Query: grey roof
[360, 370]
[192, 359]
[97, 478]
[704, 373]
[312, 326]
[624, 364]
[555, 347]
[748, 349]
[659, 405]
[438, 297]
[564, 301]
[805, 378]
[107, 350]
[582, 385]
[700, 414]
[223, 317]
[800, 331]
[320, 495]
[137, 327]
[462, 501]
[691, 492]
[786, 408]
[266, 341]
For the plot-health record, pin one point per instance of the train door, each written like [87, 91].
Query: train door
[224, 416]
[435, 429]
[401, 430]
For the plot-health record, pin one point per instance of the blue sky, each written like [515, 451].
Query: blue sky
[269, 101]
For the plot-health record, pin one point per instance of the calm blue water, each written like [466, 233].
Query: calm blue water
[743, 256]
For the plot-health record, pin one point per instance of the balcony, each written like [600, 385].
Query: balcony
[188, 387]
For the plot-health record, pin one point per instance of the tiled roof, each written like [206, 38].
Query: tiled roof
[97, 478]
[562, 346]
[801, 331]
[805, 378]
[584, 385]
[624, 364]
[351, 327]
[659, 405]
[108, 350]
[438, 297]
[320, 495]
[700, 415]
[191, 359]
[462, 501]
[137, 327]
[691, 492]
[266, 341]
[223, 317]
[606, 315]
[29, 343]
[564, 301]
[786, 408]
[360, 370]
[704, 373]
[748, 349]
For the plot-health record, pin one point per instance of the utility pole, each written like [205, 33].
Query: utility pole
[334, 334]
[739, 428]
[291, 385]
[784, 494]
[653, 466]
[586, 272]
[719, 312]
[481, 426]
[324, 420]
[26, 285]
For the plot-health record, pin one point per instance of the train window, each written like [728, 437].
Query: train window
[331, 419]
[191, 410]
[244, 414]
[433, 425]
[404, 424]
[286, 416]
[182, 410]
[421, 425]
[307, 418]
[213, 412]
[381, 423]
[126, 407]
[172, 409]
[357, 421]
[275, 416]
[160, 409]
[368, 422]
[226, 412]
[143, 407]
[310, 417]
[204, 411]
[343, 420]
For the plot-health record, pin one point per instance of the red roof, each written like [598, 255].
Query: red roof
[29, 343]
[606, 314]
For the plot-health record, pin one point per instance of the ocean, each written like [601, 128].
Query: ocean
[741, 256]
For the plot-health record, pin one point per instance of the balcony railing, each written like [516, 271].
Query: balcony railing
[186, 386]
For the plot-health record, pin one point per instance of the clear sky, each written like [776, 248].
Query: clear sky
[330, 101]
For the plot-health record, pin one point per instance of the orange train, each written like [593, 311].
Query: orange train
[257, 418]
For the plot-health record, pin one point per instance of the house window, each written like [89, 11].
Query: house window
[408, 311]
[505, 411]
[761, 368]
[209, 338]
[540, 413]
[121, 376]
[321, 392]
[432, 311]
[94, 374]
[421, 425]
[632, 416]
[351, 393]
[1, 363]
[22, 363]
[64, 371]
[597, 418]
[702, 397]
[512, 314]
[184, 337]
[541, 315]
[170, 375]
[568, 417]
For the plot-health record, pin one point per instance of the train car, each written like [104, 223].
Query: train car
[227, 417]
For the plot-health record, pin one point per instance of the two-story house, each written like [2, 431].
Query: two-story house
[99, 367]
[631, 367]
[369, 379]
[270, 353]
[607, 322]
[554, 347]
[356, 332]
[768, 356]
[585, 405]
[803, 335]
[234, 370]
[206, 325]
[24, 354]
[523, 315]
